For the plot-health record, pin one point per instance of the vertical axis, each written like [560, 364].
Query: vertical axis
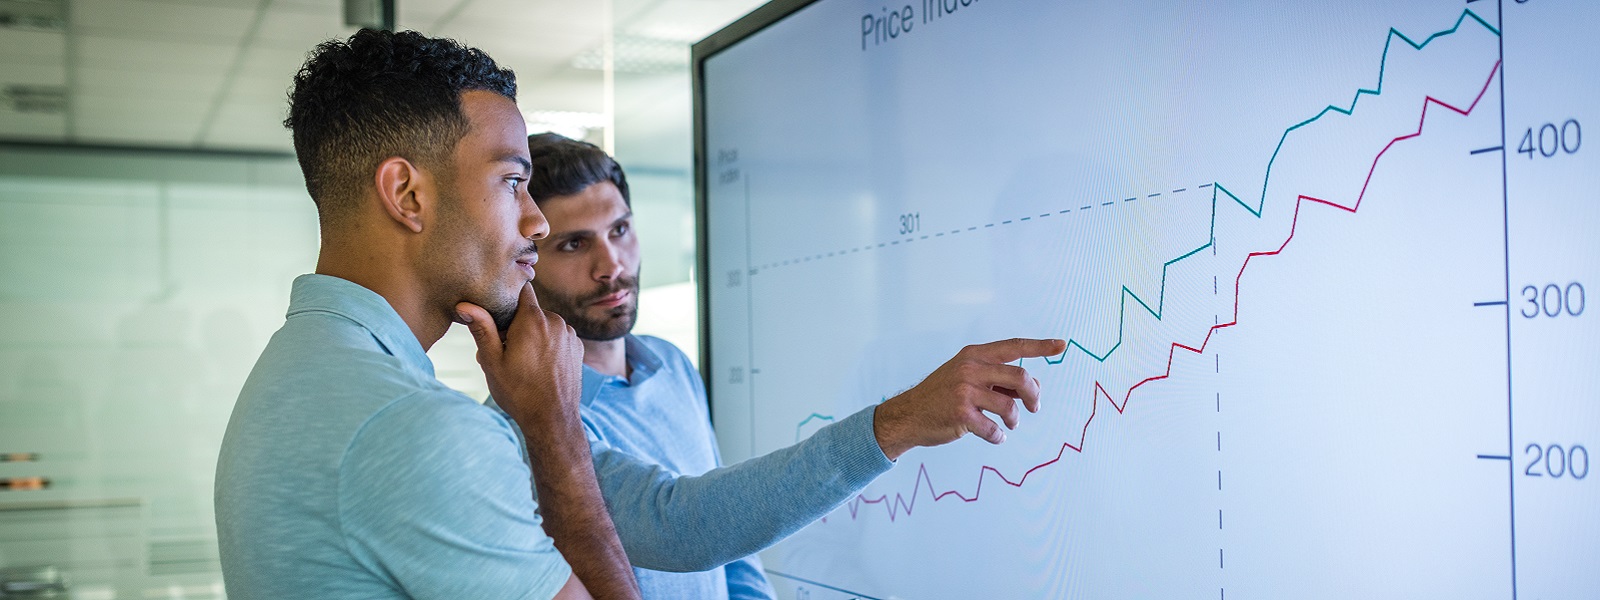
[750, 312]
[1505, 233]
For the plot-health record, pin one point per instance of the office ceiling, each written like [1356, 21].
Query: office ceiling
[212, 74]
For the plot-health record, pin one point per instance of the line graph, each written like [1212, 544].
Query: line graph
[898, 505]
[1351, 422]
[1467, 15]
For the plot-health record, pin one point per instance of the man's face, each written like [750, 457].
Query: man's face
[479, 246]
[590, 271]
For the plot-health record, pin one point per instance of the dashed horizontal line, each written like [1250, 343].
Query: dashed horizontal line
[958, 230]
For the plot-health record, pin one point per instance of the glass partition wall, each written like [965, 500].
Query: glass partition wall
[138, 283]
[137, 290]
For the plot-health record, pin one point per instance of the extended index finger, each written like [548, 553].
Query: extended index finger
[1011, 350]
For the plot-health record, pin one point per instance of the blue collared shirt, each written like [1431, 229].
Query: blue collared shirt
[349, 471]
[659, 413]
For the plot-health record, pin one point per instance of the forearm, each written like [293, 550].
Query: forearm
[675, 523]
[574, 510]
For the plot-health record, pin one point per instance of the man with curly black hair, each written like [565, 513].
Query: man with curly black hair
[348, 470]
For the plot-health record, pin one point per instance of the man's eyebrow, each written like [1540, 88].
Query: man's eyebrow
[527, 166]
[582, 233]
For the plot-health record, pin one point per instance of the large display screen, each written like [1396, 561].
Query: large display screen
[1325, 267]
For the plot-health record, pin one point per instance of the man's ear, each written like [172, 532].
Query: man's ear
[399, 184]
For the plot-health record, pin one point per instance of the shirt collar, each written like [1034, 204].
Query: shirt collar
[324, 293]
[643, 359]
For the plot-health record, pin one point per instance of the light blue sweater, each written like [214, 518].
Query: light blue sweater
[672, 518]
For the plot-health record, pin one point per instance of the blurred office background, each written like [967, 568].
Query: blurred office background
[152, 217]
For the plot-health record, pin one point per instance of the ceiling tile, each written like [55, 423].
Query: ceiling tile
[124, 82]
[551, 48]
[522, 15]
[261, 90]
[32, 47]
[300, 28]
[250, 4]
[572, 90]
[26, 74]
[153, 106]
[149, 56]
[685, 20]
[164, 21]
[416, 15]
[153, 68]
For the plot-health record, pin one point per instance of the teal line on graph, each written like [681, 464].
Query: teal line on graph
[813, 417]
[1256, 211]
[821, 417]
[1217, 188]
[1383, 64]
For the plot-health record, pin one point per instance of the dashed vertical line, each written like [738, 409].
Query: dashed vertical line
[1221, 535]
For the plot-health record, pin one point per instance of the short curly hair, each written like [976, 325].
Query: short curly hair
[379, 95]
[563, 166]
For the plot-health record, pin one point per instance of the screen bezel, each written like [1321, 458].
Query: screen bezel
[757, 20]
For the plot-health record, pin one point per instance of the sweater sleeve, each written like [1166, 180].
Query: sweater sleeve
[678, 523]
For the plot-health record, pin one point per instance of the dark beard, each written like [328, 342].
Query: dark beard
[616, 323]
[503, 310]
[502, 316]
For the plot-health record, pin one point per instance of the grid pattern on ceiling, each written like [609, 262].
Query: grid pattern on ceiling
[212, 74]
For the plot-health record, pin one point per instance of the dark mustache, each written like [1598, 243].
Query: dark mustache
[620, 284]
